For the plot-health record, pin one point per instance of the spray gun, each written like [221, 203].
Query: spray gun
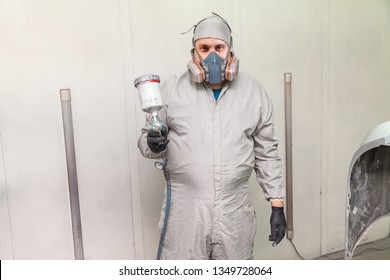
[150, 98]
[151, 102]
[148, 87]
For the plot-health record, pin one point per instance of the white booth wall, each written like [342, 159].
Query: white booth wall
[337, 52]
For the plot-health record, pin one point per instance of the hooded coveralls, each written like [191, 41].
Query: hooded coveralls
[214, 147]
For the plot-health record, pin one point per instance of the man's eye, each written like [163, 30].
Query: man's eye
[204, 49]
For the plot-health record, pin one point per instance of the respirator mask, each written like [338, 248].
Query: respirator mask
[213, 69]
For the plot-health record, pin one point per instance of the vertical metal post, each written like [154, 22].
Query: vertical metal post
[289, 173]
[72, 174]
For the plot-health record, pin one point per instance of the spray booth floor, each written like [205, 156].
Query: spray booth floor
[377, 250]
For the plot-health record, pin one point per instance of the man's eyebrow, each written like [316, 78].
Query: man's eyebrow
[210, 45]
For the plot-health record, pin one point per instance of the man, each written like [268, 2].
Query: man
[219, 127]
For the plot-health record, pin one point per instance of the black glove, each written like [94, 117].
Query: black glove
[278, 225]
[157, 142]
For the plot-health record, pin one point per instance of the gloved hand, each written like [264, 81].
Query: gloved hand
[278, 225]
[157, 142]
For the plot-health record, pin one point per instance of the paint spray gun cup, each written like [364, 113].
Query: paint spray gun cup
[148, 87]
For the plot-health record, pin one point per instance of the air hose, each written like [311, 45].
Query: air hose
[162, 165]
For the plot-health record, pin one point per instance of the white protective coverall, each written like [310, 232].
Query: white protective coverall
[214, 147]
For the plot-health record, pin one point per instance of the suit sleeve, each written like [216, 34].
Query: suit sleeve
[267, 161]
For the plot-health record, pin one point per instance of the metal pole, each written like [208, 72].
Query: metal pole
[72, 174]
[289, 173]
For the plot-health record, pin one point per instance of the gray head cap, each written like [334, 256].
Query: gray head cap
[213, 27]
